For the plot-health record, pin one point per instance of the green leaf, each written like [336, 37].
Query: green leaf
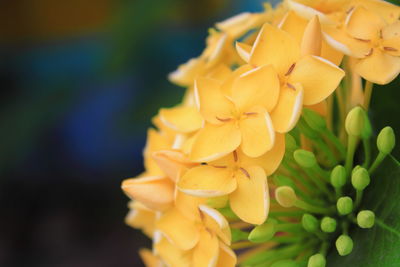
[380, 245]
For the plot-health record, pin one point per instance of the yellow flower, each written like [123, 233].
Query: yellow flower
[243, 178]
[196, 229]
[240, 120]
[378, 49]
[309, 75]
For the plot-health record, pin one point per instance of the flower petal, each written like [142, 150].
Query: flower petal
[210, 100]
[341, 41]
[269, 161]
[215, 141]
[274, 46]
[186, 73]
[142, 218]
[188, 205]
[258, 135]
[207, 181]
[149, 259]
[155, 192]
[391, 39]
[181, 231]
[250, 201]
[287, 111]
[244, 51]
[308, 11]
[171, 254]
[207, 250]
[364, 24]
[257, 87]
[216, 222]
[379, 67]
[172, 163]
[318, 77]
[388, 11]
[311, 42]
[227, 257]
[184, 119]
[155, 141]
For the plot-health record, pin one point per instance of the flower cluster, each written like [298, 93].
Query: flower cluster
[251, 158]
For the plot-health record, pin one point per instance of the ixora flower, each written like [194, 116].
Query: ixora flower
[267, 161]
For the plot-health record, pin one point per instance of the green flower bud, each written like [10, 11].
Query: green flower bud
[344, 245]
[338, 176]
[366, 219]
[281, 180]
[360, 179]
[317, 260]
[344, 205]
[328, 225]
[263, 233]
[314, 120]
[367, 129]
[355, 121]
[285, 263]
[285, 196]
[355, 169]
[238, 235]
[386, 140]
[309, 223]
[305, 158]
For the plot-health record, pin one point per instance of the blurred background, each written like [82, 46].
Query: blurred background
[80, 81]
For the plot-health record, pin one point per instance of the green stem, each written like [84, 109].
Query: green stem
[289, 227]
[367, 152]
[367, 94]
[351, 149]
[336, 142]
[359, 195]
[285, 213]
[295, 174]
[381, 156]
[312, 208]
[328, 153]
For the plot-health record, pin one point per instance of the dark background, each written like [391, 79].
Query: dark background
[80, 81]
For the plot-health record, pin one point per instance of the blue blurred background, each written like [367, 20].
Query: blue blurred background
[80, 81]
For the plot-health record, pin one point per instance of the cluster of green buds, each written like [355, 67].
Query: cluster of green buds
[318, 195]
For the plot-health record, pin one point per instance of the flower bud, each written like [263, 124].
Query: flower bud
[344, 245]
[317, 260]
[314, 120]
[305, 158]
[328, 225]
[355, 169]
[285, 196]
[338, 176]
[355, 121]
[365, 219]
[238, 235]
[360, 179]
[263, 233]
[285, 263]
[386, 140]
[344, 205]
[309, 223]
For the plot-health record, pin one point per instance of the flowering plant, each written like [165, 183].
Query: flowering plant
[268, 159]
